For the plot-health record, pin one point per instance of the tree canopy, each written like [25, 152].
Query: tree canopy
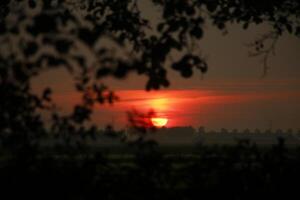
[39, 35]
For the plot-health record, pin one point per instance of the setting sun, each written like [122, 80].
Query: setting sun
[159, 121]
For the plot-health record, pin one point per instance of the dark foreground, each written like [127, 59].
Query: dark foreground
[243, 171]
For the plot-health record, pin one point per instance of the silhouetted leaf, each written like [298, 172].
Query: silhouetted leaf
[289, 28]
[102, 72]
[32, 3]
[81, 114]
[121, 70]
[211, 5]
[30, 49]
[197, 32]
[160, 26]
[245, 26]
[298, 31]
[2, 28]
[87, 36]
[63, 46]
[44, 23]
[186, 72]
[221, 25]
[47, 94]
[190, 10]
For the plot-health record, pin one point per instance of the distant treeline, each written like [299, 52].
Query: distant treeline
[202, 130]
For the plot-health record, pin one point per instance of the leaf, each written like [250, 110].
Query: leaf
[45, 23]
[245, 26]
[102, 72]
[87, 36]
[80, 114]
[160, 26]
[165, 82]
[121, 70]
[197, 32]
[221, 25]
[289, 28]
[30, 49]
[32, 3]
[2, 28]
[211, 6]
[174, 26]
[190, 10]
[186, 72]
[63, 46]
[297, 32]
[46, 94]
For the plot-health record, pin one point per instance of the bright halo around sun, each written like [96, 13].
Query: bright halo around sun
[159, 121]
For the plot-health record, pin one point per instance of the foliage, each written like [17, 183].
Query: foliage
[40, 35]
[243, 171]
[36, 36]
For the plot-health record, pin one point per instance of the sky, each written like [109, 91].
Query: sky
[232, 94]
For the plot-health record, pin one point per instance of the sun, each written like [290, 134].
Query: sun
[159, 121]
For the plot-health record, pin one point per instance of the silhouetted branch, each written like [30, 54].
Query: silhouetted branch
[263, 49]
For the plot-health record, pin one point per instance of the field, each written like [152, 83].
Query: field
[147, 170]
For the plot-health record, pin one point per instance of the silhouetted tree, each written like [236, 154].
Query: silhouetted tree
[224, 130]
[39, 35]
[201, 130]
[234, 131]
[246, 131]
[36, 36]
[257, 131]
[279, 131]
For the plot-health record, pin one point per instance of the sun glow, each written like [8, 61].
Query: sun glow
[159, 104]
[159, 121]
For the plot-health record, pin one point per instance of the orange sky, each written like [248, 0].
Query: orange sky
[210, 108]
